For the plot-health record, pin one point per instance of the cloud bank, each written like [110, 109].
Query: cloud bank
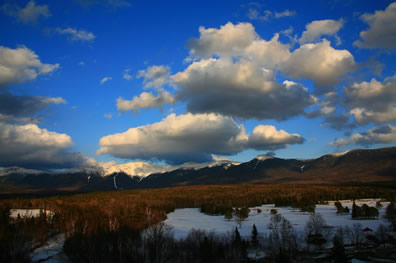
[242, 89]
[193, 137]
[24, 108]
[380, 135]
[31, 147]
[22, 142]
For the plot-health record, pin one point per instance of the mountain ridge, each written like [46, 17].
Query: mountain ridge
[358, 165]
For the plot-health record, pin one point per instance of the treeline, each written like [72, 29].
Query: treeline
[364, 211]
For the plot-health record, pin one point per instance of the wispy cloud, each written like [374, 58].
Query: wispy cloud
[75, 34]
[126, 75]
[115, 4]
[105, 79]
[31, 13]
[108, 116]
[257, 12]
[285, 13]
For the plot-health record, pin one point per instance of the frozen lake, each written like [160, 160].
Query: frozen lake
[183, 220]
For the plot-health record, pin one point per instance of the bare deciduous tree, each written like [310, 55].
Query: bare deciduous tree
[355, 234]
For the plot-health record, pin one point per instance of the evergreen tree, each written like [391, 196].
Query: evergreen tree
[228, 214]
[254, 234]
[241, 214]
[340, 208]
[239, 247]
[357, 211]
[391, 214]
[338, 250]
[353, 210]
[237, 238]
[205, 251]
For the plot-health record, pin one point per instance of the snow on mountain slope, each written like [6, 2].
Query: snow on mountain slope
[140, 169]
[340, 154]
[144, 169]
[264, 157]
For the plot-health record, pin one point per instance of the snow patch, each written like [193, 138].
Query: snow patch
[144, 169]
[183, 220]
[29, 213]
[340, 154]
[264, 157]
[114, 180]
[51, 251]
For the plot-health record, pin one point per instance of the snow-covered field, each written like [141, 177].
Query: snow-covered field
[28, 213]
[183, 220]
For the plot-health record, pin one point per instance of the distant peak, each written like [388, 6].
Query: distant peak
[264, 157]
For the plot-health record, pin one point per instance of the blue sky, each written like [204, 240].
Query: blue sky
[90, 81]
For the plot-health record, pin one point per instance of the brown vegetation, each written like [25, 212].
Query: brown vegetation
[111, 222]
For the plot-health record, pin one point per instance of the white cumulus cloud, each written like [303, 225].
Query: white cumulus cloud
[321, 63]
[20, 65]
[372, 101]
[382, 30]
[154, 76]
[145, 100]
[241, 89]
[230, 39]
[267, 137]
[318, 28]
[191, 137]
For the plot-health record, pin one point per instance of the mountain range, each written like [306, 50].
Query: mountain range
[354, 166]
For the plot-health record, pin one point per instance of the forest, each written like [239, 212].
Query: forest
[126, 225]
